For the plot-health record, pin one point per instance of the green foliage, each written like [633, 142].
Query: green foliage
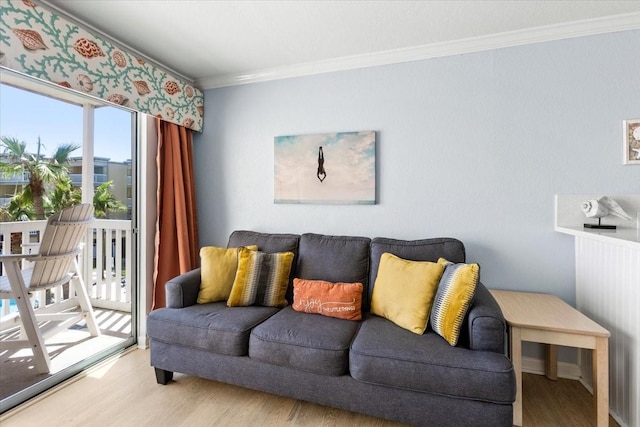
[104, 202]
[63, 195]
[41, 170]
[34, 201]
[20, 208]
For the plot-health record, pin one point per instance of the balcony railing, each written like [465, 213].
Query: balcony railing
[105, 263]
[14, 178]
[98, 178]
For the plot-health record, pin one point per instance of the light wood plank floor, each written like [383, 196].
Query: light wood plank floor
[123, 392]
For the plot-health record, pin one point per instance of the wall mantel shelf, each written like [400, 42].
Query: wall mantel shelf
[621, 237]
[570, 219]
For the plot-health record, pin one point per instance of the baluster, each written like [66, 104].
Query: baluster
[127, 261]
[117, 261]
[99, 263]
[109, 263]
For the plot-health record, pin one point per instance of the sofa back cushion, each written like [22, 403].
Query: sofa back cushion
[333, 258]
[266, 242]
[412, 250]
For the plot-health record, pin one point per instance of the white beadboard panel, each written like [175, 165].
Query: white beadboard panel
[608, 291]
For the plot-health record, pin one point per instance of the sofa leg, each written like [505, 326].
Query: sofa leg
[163, 377]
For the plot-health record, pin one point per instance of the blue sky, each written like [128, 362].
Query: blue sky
[27, 116]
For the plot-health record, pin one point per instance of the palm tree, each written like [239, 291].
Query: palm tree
[104, 201]
[20, 208]
[41, 170]
[65, 195]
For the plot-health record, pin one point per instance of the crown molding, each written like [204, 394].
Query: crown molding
[610, 24]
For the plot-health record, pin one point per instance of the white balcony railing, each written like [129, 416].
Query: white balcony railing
[14, 178]
[105, 263]
[98, 178]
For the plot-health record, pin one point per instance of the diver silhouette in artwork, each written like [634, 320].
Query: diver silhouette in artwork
[322, 174]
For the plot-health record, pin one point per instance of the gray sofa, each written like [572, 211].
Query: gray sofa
[370, 366]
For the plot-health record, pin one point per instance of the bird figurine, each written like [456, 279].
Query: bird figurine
[604, 206]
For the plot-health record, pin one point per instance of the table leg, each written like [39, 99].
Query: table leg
[516, 359]
[551, 361]
[601, 381]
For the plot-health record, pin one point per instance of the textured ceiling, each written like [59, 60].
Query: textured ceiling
[224, 40]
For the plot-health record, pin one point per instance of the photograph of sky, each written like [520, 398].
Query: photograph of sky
[333, 168]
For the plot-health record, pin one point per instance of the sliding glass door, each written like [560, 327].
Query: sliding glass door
[100, 169]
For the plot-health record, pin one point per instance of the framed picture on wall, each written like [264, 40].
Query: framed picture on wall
[631, 142]
[327, 168]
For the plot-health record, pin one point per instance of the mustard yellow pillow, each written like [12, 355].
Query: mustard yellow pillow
[261, 279]
[455, 293]
[217, 270]
[404, 291]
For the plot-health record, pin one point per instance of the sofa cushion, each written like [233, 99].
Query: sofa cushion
[261, 279]
[404, 291]
[218, 269]
[333, 258]
[213, 327]
[266, 242]
[413, 250]
[383, 353]
[455, 292]
[341, 300]
[298, 340]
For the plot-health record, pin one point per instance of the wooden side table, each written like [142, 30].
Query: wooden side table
[546, 319]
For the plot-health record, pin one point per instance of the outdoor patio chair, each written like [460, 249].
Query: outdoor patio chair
[55, 264]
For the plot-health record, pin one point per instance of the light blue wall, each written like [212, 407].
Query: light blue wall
[471, 146]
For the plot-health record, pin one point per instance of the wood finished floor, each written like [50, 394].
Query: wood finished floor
[123, 392]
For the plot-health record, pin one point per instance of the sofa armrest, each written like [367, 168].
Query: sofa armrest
[485, 323]
[182, 291]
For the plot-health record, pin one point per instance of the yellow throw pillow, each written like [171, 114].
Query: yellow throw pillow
[455, 293]
[404, 291]
[261, 279]
[218, 269]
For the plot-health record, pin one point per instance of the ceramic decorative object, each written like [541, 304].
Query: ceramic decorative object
[602, 207]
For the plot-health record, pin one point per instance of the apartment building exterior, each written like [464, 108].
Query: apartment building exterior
[119, 173]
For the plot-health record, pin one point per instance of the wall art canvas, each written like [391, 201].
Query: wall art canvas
[330, 168]
[631, 142]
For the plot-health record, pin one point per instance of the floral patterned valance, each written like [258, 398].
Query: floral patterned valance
[37, 42]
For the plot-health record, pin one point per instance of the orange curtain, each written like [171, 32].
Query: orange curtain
[176, 226]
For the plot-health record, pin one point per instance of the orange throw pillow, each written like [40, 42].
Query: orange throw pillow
[341, 300]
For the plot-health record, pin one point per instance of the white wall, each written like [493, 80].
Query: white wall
[471, 146]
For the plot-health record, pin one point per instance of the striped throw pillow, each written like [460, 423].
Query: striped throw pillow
[218, 268]
[261, 279]
[455, 293]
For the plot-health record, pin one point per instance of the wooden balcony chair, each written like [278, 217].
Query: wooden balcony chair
[55, 264]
